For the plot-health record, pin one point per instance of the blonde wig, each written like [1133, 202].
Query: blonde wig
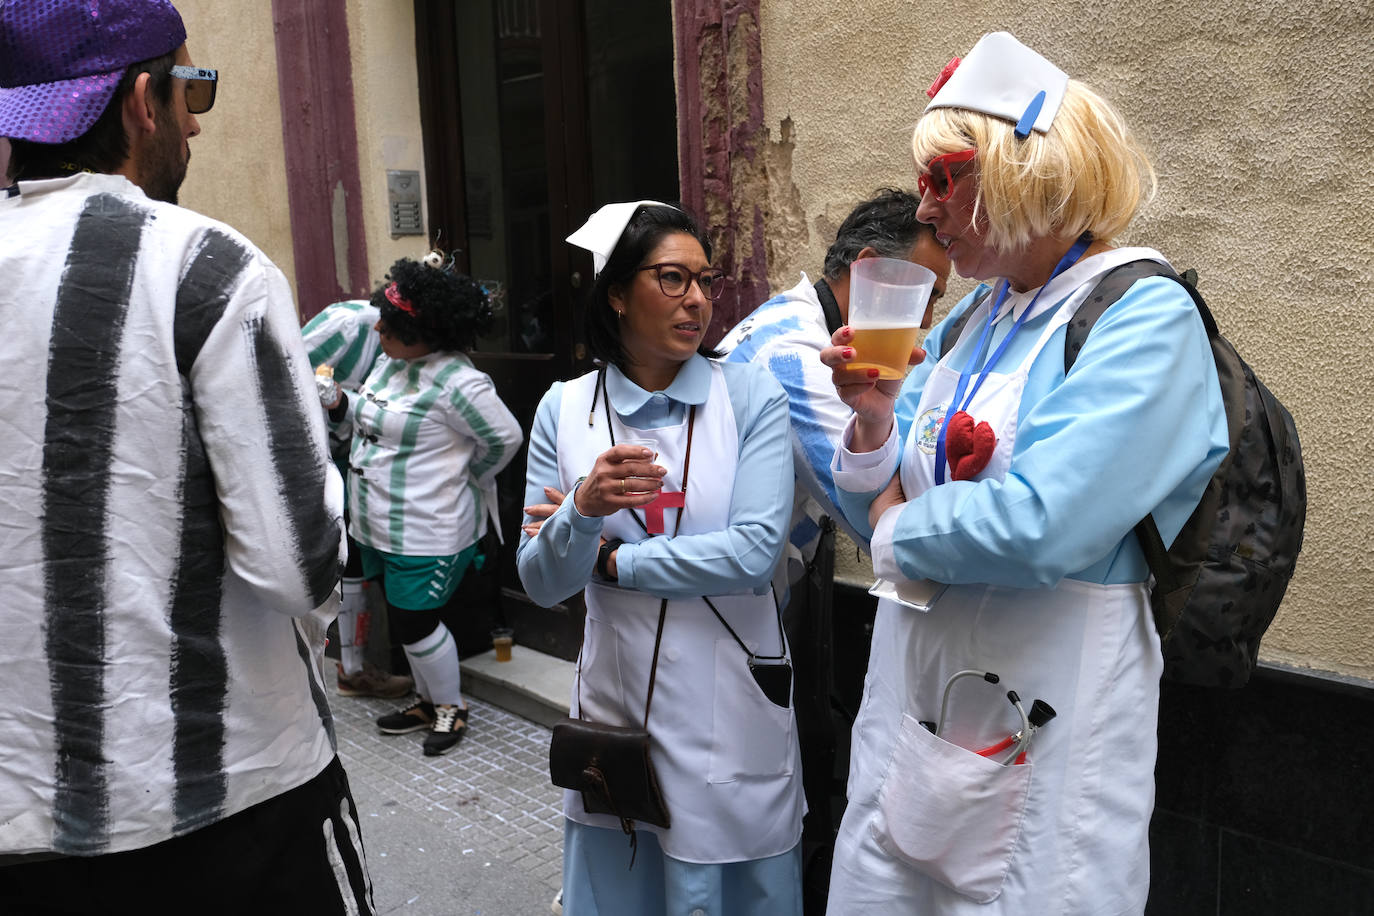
[1087, 174]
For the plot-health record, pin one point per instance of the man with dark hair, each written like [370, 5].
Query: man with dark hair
[173, 526]
[787, 333]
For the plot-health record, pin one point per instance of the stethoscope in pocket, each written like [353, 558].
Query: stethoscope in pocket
[1019, 741]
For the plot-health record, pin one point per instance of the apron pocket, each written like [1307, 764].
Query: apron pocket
[601, 696]
[949, 813]
[749, 735]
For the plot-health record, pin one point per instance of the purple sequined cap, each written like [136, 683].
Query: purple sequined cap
[60, 60]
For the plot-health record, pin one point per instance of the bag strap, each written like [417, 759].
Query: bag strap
[677, 523]
[830, 309]
[956, 327]
[686, 461]
[1104, 295]
[782, 639]
[1113, 286]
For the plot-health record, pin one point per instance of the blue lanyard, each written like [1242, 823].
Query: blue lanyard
[959, 402]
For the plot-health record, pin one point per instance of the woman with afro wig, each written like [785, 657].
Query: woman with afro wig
[429, 436]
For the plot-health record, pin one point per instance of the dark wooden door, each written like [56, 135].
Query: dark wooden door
[535, 112]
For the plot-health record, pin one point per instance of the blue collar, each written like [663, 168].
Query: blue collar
[692, 386]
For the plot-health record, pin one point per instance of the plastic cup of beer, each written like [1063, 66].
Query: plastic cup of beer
[501, 640]
[634, 483]
[887, 310]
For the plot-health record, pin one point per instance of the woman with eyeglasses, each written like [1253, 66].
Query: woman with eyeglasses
[697, 505]
[1001, 491]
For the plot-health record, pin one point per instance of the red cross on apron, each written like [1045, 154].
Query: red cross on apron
[653, 512]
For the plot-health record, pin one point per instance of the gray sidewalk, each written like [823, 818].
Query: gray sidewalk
[479, 830]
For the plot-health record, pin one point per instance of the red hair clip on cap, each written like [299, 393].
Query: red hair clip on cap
[1003, 78]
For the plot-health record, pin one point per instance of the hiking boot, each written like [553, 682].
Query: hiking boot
[404, 721]
[373, 682]
[450, 724]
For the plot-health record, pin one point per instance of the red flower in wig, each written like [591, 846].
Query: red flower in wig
[944, 76]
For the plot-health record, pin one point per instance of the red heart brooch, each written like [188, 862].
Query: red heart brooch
[968, 447]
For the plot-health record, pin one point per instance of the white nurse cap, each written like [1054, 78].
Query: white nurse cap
[1005, 79]
[602, 230]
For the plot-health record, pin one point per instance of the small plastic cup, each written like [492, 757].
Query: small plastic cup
[651, 445]
[502, 638]
[887, 309]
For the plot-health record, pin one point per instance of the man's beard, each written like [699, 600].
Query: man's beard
[166, 167]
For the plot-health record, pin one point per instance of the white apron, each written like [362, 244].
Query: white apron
[931, 826]
[727, 758]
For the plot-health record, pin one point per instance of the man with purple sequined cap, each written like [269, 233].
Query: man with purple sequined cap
[172, 531]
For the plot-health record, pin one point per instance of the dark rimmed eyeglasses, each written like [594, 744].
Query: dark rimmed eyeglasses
[674, 279]
[200, 87]
[937, 178]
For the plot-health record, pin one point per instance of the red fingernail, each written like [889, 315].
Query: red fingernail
[848, 352]
[872, 373]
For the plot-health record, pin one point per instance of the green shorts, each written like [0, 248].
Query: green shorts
[416, 583]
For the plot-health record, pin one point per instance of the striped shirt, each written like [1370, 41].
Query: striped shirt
[342, 337]
[172, 527]
[429, 436]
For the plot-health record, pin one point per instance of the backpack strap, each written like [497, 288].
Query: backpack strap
[829, 307]
[1108, 290]
[956, 327]
[1112, 287]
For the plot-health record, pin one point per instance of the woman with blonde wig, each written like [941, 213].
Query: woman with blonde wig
[1003, 758]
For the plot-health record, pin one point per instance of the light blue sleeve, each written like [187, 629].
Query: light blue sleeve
[558, 562]
[818, 417]
[1137, 427]
[854, 503]
[742, 556]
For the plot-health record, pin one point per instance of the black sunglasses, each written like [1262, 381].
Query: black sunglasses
[200, 87]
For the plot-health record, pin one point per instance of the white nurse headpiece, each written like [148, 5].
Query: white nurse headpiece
[1005, 79]
[602, 230]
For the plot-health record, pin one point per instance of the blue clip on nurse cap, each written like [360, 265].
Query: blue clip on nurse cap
[1005, 79]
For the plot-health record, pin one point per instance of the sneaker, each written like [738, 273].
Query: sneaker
[404, 721]
[557, 905]
[450, 724]
[373, 682]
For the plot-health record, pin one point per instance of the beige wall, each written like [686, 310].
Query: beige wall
[381, 35]
[1258, 119]
[238, 171]
[238, 166]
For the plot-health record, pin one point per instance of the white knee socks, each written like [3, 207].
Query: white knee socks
[434, 664]
[354, 621]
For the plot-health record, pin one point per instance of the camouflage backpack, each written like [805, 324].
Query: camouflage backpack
[1218, 585]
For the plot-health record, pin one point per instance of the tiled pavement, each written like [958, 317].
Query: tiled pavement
[476, 831]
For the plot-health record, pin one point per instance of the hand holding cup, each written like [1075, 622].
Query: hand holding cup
[623, 477]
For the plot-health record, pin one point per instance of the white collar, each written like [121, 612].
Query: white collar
[1085, 271]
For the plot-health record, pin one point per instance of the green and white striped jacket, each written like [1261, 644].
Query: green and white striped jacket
[429, 436]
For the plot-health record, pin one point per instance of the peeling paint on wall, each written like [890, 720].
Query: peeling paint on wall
[786, 235]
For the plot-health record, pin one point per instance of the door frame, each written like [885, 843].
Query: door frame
[558, 630]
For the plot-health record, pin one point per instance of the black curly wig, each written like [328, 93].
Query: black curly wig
[451, 310]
